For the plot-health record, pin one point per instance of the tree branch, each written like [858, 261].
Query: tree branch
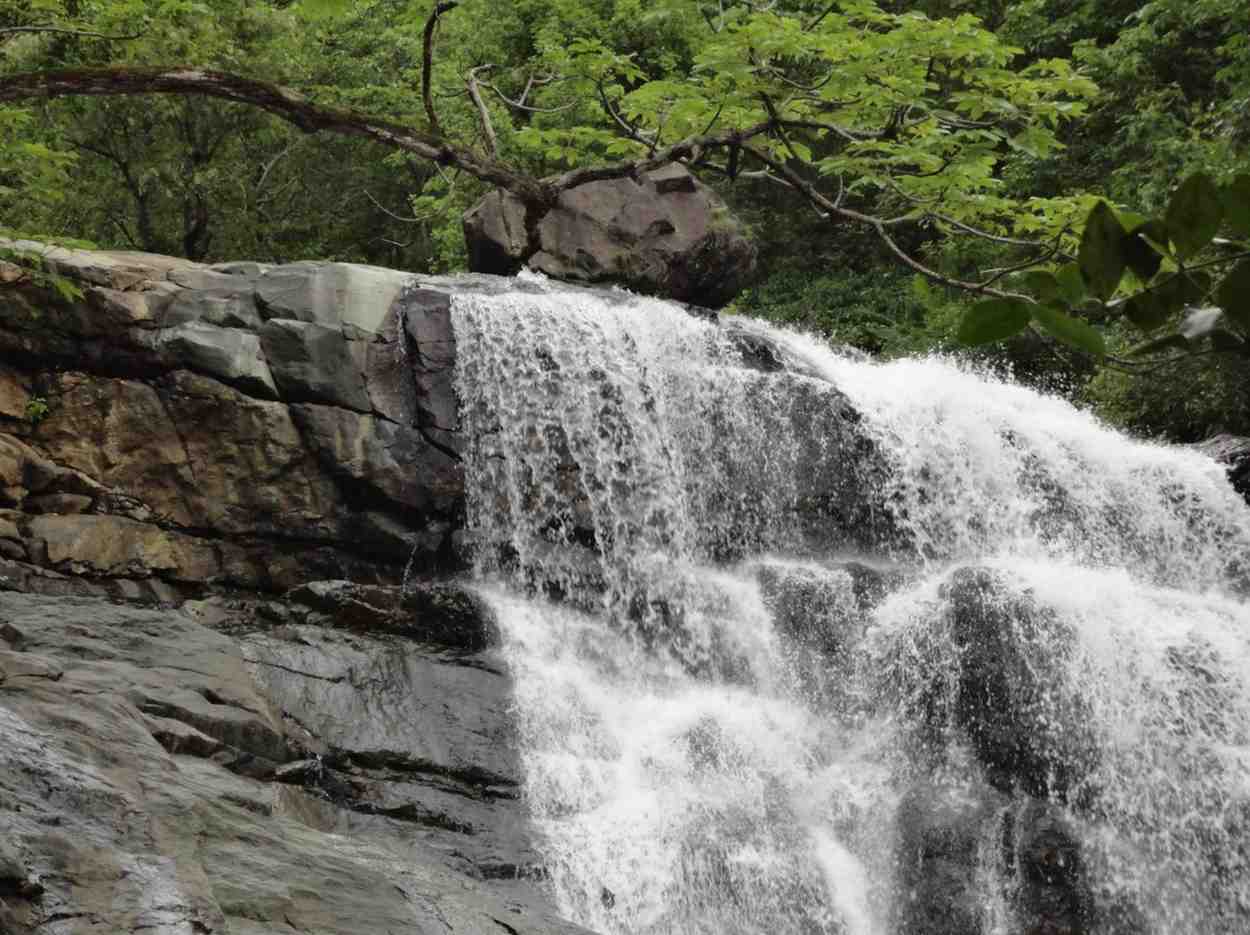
[312, 118]
[685, 149]
[879, 225]
[279, 101]
[427, 61]
[488, 128]
[65, 31]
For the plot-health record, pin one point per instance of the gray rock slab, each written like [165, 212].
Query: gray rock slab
[136, 797]
[231, 355]
[314, 363]
[225, 306]
[330, 293]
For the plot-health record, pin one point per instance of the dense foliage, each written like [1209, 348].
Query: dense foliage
[916, 153]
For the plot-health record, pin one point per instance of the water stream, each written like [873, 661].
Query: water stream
[808, 644]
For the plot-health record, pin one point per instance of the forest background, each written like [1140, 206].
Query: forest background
[1056, 103]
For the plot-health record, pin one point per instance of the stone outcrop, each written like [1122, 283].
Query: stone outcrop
[256, 767]
[1233, 452]
[1005, 754]
[219, 711]
[177, 428]
[1014, 700]
[664, 233]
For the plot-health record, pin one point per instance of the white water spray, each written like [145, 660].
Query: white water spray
[719, 731]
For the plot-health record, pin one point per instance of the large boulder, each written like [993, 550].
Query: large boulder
[662, 233]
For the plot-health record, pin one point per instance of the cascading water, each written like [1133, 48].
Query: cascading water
[807, 644]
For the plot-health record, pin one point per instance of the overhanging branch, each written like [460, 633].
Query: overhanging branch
[279, 101]
[312, 118]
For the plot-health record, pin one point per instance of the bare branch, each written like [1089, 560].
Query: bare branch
[1044, 257]
[821, 17]
[993, 238]
[626, 127]
[263, 176]
[66, 31]
[519, 103]
[525, 94]
[391, 214]
[851, 136]
[684, 149]
[879, 225]
[488, 128]
[427, 60]
[809, 88]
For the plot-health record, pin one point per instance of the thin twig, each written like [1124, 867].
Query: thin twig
[878, 225]
[520, 104]
[391, 214]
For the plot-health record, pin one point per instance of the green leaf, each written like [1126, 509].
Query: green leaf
[993, 320]
[1194, 215]
[1071, 284]
[1164, 343]
[1101, 256]
[1042, 284]
[1237, 205]
[1233, 295]
[1070, 330]
[324, 9]
[1143, 258]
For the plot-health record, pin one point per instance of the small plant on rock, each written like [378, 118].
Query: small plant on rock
[36, 410]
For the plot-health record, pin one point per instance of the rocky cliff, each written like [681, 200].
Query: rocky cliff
[218, 712]
[242, 689]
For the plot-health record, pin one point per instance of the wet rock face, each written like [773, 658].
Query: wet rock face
[1015, 699]
[664, 233]
[182, 427]
[1003, 770]
[259, 767]
[962, 841]
[1234, 453]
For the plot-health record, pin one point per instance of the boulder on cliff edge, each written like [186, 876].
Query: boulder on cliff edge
[663, 233]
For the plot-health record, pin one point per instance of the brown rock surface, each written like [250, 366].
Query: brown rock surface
[259, 425]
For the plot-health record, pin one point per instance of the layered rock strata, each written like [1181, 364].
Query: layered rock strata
[168, 427]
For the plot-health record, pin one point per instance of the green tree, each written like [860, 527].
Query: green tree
[894, 122]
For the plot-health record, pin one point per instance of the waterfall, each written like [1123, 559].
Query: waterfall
[804, 643]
